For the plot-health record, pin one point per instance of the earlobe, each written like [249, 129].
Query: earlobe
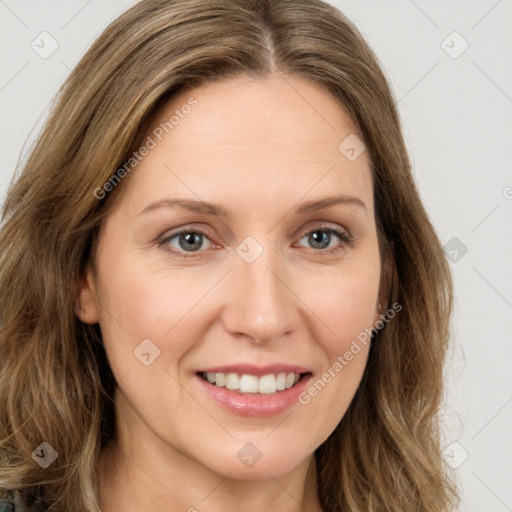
[378, 312]
[86, 306]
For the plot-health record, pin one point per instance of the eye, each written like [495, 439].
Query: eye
[327, 239]
[188, 241]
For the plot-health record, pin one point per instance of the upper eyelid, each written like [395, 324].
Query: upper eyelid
[325, 226]
[167, 236]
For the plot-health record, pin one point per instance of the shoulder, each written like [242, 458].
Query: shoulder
[6, 506]
[7, 502]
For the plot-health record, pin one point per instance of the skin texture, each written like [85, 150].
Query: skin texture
[259, 148]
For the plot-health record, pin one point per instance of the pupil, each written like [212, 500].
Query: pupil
[323, 238]
[192, 241]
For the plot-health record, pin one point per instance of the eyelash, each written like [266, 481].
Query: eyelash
[345, 239]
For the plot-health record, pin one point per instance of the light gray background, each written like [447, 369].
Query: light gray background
[457, 116]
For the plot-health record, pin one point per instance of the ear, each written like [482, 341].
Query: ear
[387, 280]
[86, 306]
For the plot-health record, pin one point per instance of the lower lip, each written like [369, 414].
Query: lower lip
[255, 404]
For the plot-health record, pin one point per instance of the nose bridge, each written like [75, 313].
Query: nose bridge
[259, 305]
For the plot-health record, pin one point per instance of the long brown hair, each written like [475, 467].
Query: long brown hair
[56, 385]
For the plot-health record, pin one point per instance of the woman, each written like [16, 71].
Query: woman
[219, 286]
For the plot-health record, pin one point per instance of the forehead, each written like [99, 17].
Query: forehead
[262, 138]
[261, 111]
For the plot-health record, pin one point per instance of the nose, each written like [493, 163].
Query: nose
[260, 304]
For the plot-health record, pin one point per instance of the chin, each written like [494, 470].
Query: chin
[250, 463]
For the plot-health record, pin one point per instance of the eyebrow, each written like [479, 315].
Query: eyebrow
[217, 210]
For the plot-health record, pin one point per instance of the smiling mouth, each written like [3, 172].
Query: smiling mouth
[252, 384]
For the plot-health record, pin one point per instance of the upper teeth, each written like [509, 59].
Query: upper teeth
[251, 384]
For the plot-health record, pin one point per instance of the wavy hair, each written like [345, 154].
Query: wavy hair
[55, 381]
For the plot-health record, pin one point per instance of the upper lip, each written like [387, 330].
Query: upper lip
[252, 369]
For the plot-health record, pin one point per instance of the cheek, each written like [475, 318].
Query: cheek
[349, 317]
[344, 301]
[345, 304]
[140, 302]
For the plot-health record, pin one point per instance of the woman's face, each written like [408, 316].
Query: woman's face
[226, 257]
